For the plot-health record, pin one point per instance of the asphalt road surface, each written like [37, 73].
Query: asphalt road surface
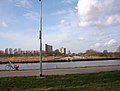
[58, 71]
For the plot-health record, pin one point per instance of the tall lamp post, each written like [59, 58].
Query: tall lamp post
[40, 38]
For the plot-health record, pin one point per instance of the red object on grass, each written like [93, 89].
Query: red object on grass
[16, 66]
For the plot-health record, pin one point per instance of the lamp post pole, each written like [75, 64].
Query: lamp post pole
[40, 38]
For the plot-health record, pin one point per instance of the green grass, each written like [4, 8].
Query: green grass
[105, 81]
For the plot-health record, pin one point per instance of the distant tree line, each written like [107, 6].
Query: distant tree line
[93, 53]
[88, 53]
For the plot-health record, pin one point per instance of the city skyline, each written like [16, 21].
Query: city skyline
[49, 48]
[78, 25]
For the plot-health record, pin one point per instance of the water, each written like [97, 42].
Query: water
[65, 64]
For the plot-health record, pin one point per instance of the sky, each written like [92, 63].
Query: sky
[77, 25]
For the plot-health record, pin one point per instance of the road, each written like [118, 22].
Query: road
[58, 71]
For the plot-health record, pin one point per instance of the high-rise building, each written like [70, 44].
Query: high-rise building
[1, 53]
[62, 50]
[19, 50]
[15, 51]
[10, 51]
[105, 51]
[6, 51]
[48, 48]
[118, 49]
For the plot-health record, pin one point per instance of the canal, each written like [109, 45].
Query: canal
[25, 66]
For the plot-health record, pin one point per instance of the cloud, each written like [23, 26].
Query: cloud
[64, 24]
[22, 3]
[28, 6]
[111, 43]
[81, 38]
[68, 20]
[3, 24]
[68, 1]
[113, 20]
[97, 45]
[100, 13]
[31, 16]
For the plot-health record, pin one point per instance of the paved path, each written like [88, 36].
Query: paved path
[58, 71]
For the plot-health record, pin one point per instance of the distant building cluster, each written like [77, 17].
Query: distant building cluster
[49, 50]
[19, 52]
[62, 50]
[13, 51]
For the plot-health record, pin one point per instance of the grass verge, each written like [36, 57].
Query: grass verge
[104, 81]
